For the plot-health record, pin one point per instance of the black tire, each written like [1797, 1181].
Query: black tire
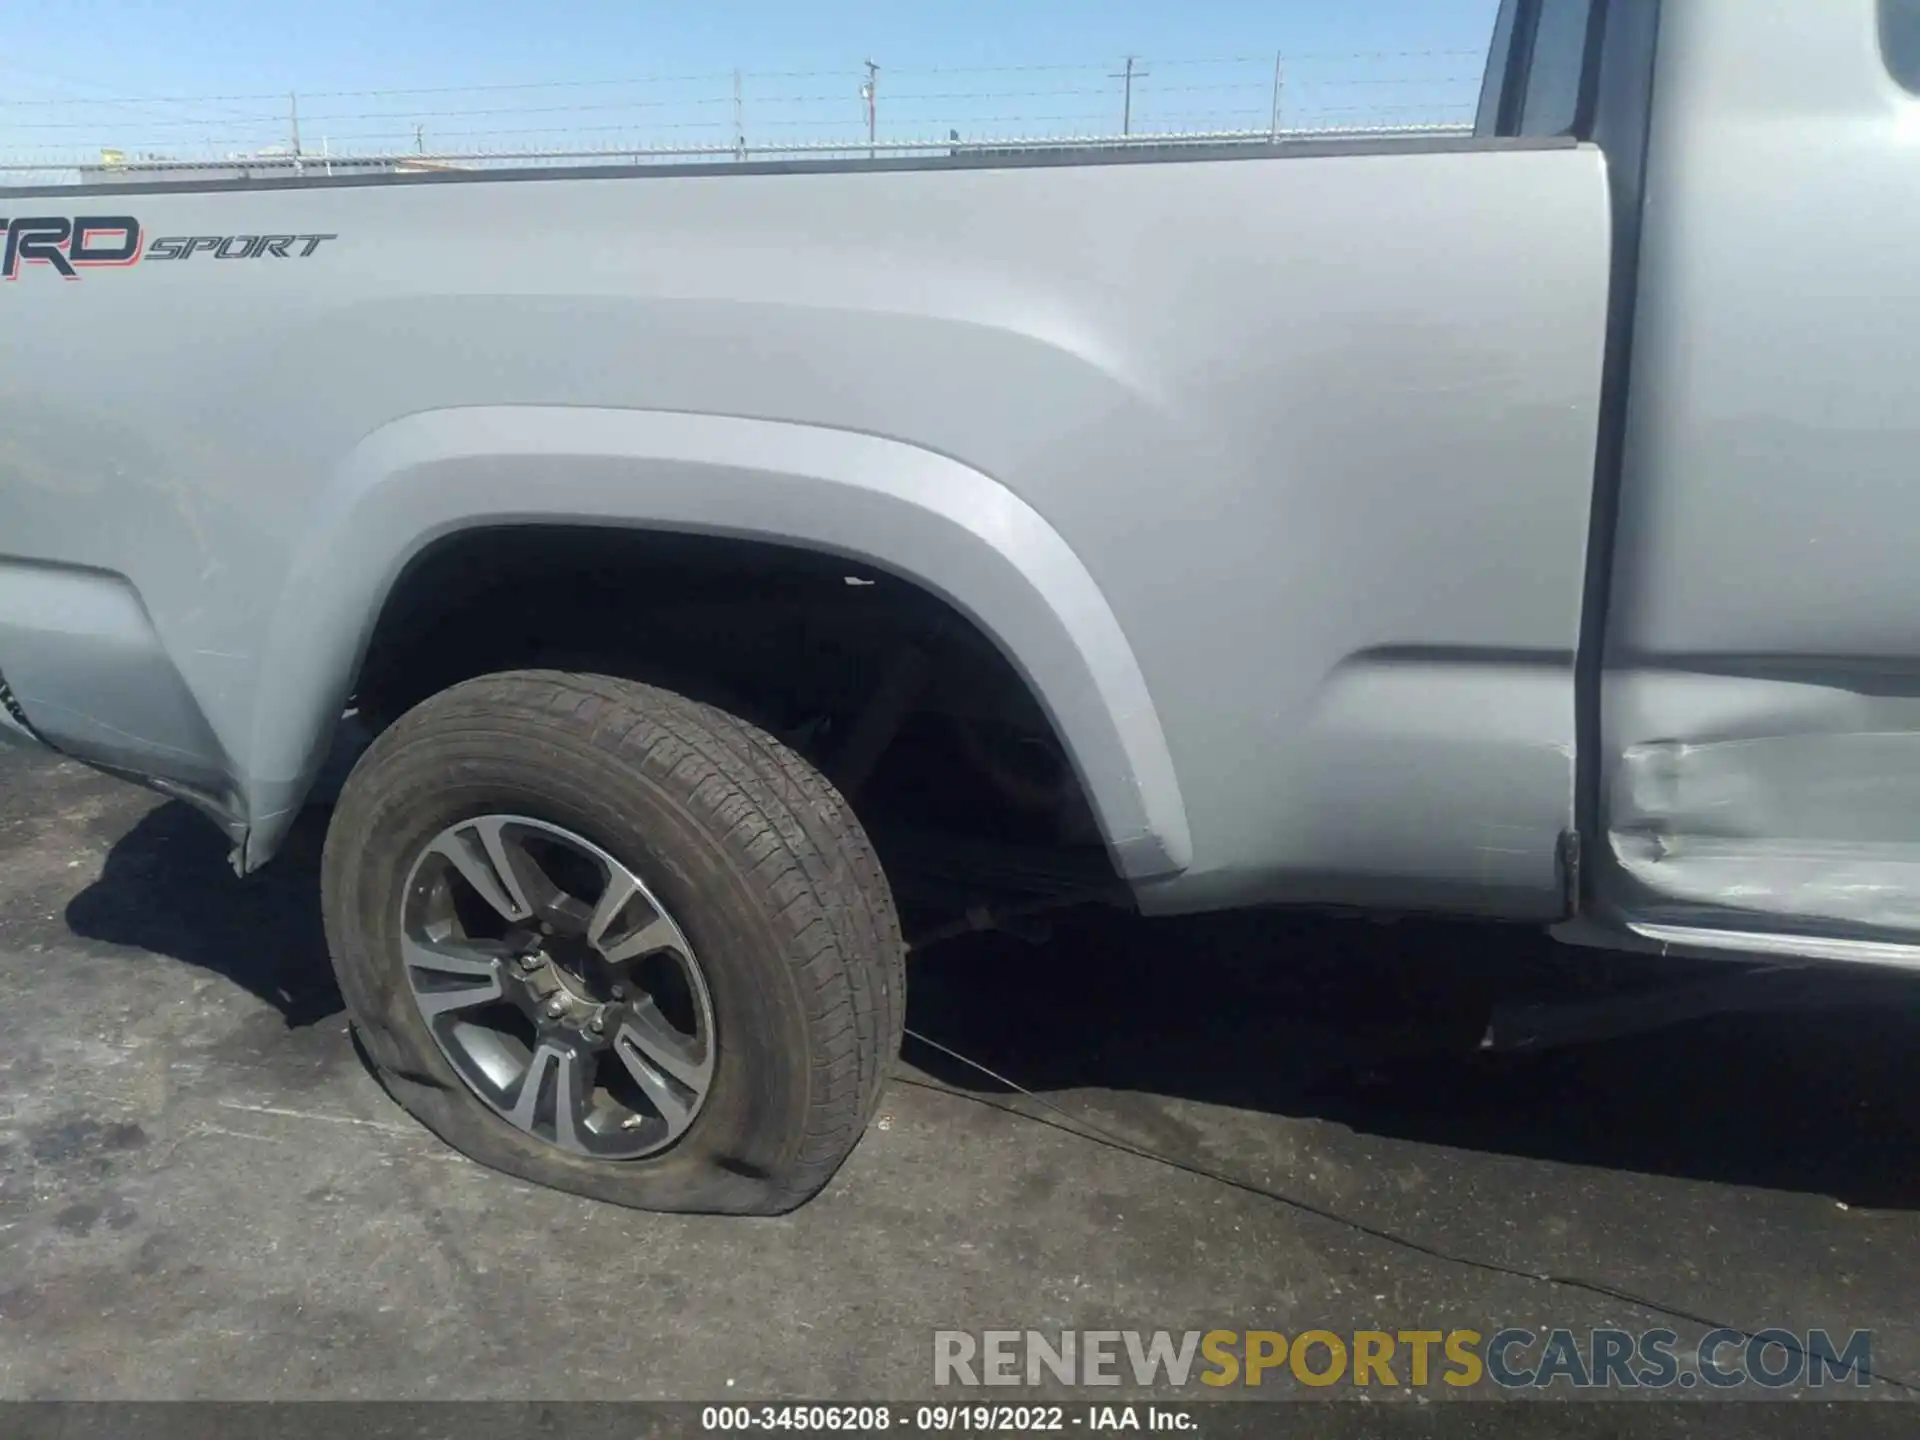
[761, 862]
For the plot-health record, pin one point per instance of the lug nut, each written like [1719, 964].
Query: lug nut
[597, 1024]
[546, 927]
[530, 962]
[556, 1008]
[619, 992]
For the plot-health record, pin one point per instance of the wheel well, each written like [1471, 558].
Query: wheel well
[915, 713]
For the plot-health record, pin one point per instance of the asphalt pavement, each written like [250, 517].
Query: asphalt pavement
[204, 1194]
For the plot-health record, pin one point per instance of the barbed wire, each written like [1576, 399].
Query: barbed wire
[481, 157]
[716, 76]
[647, 114]
[406, 133]
[1143, 92]
[1023, 118]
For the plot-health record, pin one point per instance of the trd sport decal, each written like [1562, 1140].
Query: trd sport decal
[67, 244]
[237, 247]
[70, 245]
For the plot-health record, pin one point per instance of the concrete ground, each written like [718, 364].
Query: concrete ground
[204, 1194]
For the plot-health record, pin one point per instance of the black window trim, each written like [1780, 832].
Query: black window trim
[1506, 90]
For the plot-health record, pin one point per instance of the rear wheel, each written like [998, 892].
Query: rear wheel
[615, 941]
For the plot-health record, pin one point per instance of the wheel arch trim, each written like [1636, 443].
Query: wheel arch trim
[923, 516]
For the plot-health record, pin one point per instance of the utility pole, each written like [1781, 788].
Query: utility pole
[419, 139]
[1130, 74]
[1273, 130]
[870, 92]
[293, 125]
[739, 120]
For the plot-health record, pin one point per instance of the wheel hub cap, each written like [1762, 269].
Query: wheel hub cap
[558, 986]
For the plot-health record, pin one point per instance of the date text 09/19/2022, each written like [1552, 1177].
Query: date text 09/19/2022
[945, 1419]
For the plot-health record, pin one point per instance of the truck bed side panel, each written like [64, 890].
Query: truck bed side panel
[1319, 429]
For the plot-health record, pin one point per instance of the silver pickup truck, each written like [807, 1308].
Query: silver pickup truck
[728, 559]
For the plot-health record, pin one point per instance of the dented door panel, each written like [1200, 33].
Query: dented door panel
[1760, 716]
[1789, 800]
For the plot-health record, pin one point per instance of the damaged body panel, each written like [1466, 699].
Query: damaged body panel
[1789, 802]
[1760, 707]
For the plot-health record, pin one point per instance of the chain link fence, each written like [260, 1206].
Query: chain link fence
[743, 115]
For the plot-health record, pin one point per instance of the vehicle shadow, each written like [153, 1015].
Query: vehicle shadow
[168, 889]
[1376, 1028]
[1372, 1026]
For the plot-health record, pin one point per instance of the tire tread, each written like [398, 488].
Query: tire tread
[789, 834]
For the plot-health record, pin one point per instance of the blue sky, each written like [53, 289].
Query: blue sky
[210, 76]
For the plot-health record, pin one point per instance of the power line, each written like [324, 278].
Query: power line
[976, 120]
[1129, 75]
[404, 128]
[411, 116]
[632, 154]
[870, 92]
[42, 78]
[594, 115]
[525, 109]
[400, 141]
[1263, 60]
[363, 94]
[717, 77]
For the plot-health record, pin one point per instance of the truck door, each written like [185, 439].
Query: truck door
[1759, 767]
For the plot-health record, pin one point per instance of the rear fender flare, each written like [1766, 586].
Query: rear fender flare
[922, 516]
